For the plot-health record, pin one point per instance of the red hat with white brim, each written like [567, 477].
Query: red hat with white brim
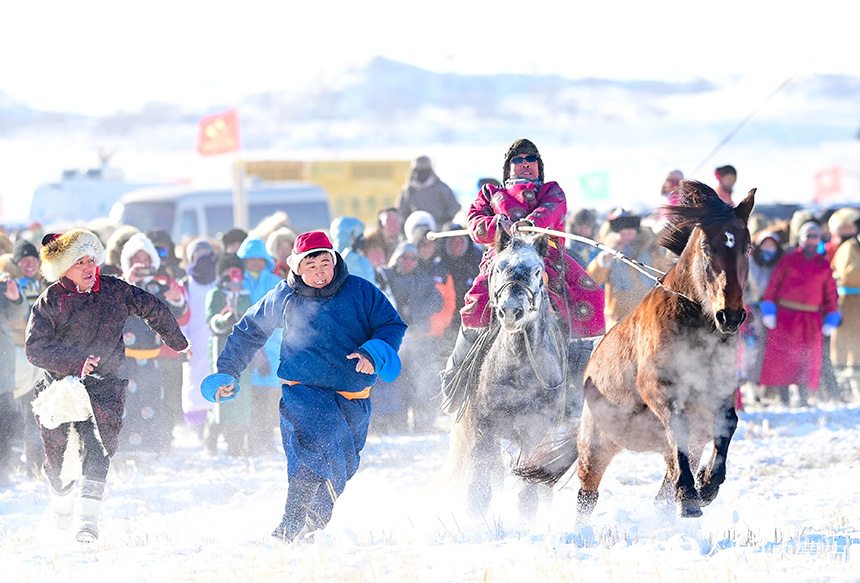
[308, 244]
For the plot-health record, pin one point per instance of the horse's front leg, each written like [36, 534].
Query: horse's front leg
[711, 475]
[686, 495]
[487, 460]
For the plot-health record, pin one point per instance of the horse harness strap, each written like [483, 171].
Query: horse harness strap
[529, 293]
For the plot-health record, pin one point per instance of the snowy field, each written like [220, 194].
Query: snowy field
[789, 511]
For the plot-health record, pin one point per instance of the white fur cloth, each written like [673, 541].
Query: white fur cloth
[67, 401]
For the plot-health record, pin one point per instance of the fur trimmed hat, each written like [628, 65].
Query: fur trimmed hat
[307, 244]
[135, 243]
[519, 148]
[60, 252]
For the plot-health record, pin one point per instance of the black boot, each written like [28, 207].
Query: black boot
[465, 341]
[302, 490]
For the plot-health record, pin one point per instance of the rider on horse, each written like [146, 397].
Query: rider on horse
[525, 199]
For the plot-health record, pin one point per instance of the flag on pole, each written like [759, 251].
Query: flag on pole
[595, 186]
[828, 182]
[219, 133]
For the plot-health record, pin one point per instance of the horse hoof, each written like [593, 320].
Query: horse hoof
[690, 509]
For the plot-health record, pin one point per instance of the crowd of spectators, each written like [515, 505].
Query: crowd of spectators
[800, 340]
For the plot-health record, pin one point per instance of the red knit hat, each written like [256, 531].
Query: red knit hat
[307, 244]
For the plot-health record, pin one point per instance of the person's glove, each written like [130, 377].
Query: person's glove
[831, 321]
[768, 315]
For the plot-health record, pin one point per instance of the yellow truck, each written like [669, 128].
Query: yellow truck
[356, 188]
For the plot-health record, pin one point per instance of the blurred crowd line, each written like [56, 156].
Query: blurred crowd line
[794, 351]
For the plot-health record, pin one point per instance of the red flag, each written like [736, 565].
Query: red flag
[219, 133]
[828, 182]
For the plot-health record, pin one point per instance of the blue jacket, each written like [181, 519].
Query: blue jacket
[258, 286]
[321, 327]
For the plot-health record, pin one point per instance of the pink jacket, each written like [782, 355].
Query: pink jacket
[577, 298]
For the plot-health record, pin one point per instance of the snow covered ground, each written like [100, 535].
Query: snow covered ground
[789, 511]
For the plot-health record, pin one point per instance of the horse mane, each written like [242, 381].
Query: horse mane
[698, 206]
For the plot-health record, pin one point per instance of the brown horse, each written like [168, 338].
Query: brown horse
[664, 378]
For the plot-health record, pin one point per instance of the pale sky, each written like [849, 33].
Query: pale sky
[100, 56]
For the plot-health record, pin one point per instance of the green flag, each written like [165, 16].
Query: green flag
[595, 186]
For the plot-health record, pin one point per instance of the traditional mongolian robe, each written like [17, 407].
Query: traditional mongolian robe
[575, 296]
[804, 291]
[66, 326]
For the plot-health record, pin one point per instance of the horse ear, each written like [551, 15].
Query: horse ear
[541, 243]
[502, 238]
[745, 208]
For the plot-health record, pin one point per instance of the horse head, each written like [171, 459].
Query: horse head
[715, 255]
[516, 282]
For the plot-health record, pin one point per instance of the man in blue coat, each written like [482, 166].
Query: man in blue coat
[340, 334]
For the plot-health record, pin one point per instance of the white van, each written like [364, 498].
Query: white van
[186, 213]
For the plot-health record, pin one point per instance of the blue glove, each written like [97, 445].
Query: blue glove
[833, 319]
[768, 308]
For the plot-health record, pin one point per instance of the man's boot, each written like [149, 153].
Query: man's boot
[302, 489]
[62, 503]
[91, 493]
[466, 338]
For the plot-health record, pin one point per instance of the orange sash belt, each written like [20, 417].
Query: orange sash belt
[346, 394]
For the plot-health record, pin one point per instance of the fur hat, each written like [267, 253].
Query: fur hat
[521, 147]
[135, 243]
[60, 252]
[22, 249]
[844, 217]
[307, 244]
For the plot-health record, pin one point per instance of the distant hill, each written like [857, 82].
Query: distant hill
[388, 103]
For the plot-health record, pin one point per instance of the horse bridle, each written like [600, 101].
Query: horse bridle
[531, 295]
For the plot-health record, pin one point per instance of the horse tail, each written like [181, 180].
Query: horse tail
[550, 460]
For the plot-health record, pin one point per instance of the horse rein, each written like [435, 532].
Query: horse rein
[637, 265]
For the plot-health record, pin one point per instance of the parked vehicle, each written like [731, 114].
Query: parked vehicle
[80, 196]
[187, 213]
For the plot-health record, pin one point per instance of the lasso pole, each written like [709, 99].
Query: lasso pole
[637, 265]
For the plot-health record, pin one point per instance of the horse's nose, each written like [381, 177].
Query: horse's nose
[730, 320]
[511, 316]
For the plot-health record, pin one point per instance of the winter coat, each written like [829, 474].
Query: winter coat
[320, 327]
[432, 196]
[577, 298]
[66, 326]
[324, 411]
[793, 349]
[845, 343]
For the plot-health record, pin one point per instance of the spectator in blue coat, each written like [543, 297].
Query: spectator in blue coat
[259, 279]
[340, 335]
[347, 234]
